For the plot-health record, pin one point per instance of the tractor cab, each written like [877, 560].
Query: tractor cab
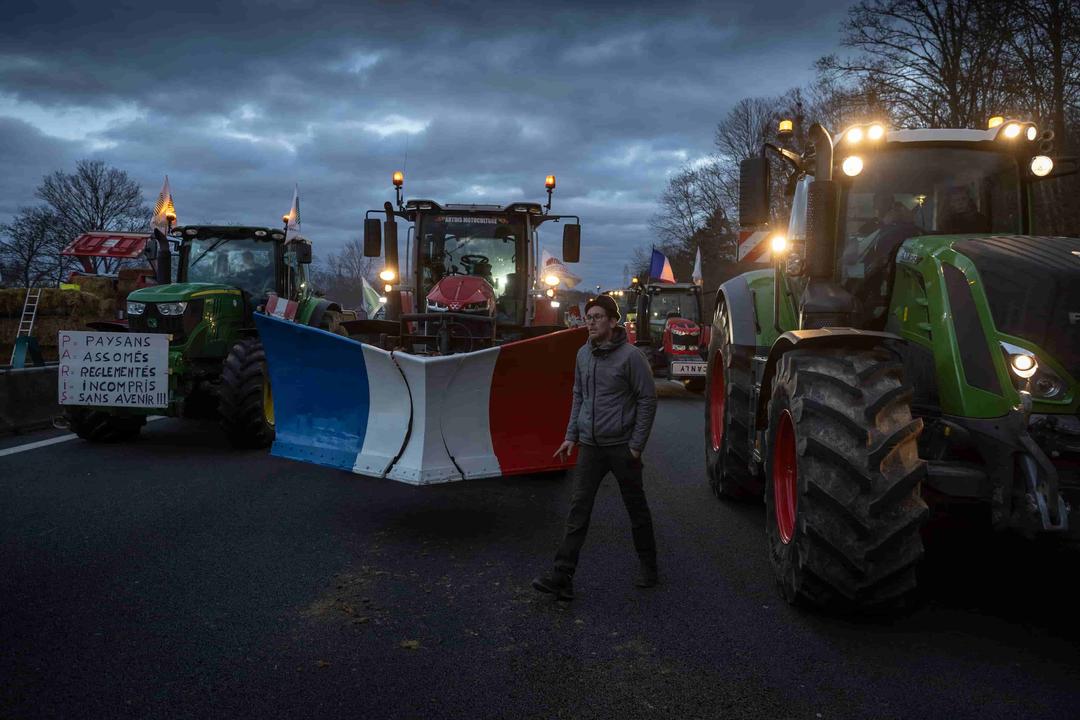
[252, 260]
[909, 184]
[471, 276]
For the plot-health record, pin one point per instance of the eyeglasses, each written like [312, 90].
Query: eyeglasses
[595, 318]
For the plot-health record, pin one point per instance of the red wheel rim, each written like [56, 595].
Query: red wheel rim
[785, 474]
[716, 402]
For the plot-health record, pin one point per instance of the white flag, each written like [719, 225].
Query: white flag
[292, 220]
[163, 210]
[696, 277]
[370, 298]
[551, 265]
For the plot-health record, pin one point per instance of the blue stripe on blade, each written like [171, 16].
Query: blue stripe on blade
[321, 393]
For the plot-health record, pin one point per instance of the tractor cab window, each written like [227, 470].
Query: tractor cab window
[664, 305]
[487, 247]
[246, 263]
[904, 193]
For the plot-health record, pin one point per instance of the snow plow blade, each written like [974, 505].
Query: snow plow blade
[337, 402]
[419, 419]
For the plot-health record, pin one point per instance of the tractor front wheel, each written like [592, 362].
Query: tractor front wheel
[727, 417]
[102, 425]
[247, 404]
[842, 504]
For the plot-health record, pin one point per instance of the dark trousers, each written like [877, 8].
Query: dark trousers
[592, 465]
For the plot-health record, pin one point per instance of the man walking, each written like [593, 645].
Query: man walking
[614, 406]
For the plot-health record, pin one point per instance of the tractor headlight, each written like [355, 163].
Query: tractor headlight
[135, 308]
[1023, 365]
[172, 309]
[1041, 165]
[852, 165]
[1042, 382]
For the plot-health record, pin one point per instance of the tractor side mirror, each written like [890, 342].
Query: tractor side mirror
[571, 243]
[302, 251]
[754, 191]
[372, 237]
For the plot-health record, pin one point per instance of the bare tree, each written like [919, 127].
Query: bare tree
[95, 197]
[933, 63]
[30, 249]
[339, 275]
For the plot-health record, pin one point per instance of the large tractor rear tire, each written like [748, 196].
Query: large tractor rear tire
[842, 503]
[247, 404]
[103, 426]
[727, 416]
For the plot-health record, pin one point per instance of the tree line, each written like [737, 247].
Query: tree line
[908, 63]
[97, 197]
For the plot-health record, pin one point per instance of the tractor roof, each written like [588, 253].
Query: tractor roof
[671, 286]
[996, 137]
[522, 207]
[237, 230]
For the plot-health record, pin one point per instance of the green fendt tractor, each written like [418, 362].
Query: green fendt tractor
[216, 362]
[914, 348]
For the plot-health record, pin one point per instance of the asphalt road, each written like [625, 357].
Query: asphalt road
[176, 578]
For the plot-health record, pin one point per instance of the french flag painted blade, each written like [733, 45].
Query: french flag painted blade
[418, 419]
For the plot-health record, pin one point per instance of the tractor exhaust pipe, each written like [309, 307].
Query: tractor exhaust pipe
[823, 152]
[822, 208]
[824, 303]
[164, 259]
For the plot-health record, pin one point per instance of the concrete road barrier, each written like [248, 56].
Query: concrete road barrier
[28, 398]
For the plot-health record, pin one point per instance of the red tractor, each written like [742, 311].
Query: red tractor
[667, 327]
[469, 375]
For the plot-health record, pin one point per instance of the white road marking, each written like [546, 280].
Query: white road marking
[55, 440]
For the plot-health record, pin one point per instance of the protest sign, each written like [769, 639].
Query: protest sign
[113, 369]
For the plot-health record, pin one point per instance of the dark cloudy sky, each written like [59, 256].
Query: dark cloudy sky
[237, 101]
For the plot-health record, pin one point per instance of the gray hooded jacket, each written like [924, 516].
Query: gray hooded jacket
[614, 395]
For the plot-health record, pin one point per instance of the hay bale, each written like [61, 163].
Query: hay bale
[11, 301]
[128, 279]
[100, 286]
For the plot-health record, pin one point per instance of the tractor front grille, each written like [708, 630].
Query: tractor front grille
[179, 326]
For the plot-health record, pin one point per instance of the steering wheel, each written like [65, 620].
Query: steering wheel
[471, 261]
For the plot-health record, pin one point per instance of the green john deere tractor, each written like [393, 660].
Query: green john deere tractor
[216, 362]
[913, 349]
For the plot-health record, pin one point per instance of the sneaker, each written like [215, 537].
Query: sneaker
[647, 577]
[558, 584]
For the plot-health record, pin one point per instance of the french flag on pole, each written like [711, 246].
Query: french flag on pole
[660, 268]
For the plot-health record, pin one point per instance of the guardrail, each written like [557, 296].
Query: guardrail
[28, 398]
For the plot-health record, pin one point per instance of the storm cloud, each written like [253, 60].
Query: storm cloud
[238, 101]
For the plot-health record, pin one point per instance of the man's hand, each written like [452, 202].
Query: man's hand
[635, 453]
[564, 450]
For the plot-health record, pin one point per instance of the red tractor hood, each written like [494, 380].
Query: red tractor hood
[682, 337]
[457, 293]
